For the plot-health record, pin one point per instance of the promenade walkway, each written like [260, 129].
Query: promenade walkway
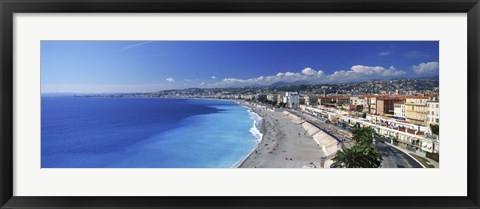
[392, 156]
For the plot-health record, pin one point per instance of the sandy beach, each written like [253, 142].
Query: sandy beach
[285, 144]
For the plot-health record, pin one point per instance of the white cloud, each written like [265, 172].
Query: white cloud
[308, 74]
[291, 74]
[214, 77]
[171, 80]
[202, 84]
[362, 72]
[386, 53]
[426, 68]
[356, 73]
[308, 71]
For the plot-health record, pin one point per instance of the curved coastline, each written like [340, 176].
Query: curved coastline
[257, 125]
[260, 127]
[285, 143]
[257, 130]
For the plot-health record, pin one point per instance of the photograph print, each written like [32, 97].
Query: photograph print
[240, 104]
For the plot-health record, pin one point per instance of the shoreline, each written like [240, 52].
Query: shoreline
[285, 143]
[260, 129]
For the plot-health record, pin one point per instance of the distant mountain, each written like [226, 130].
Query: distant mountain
[302, 82]
[284, 83]
[279, 84]
[434, 78]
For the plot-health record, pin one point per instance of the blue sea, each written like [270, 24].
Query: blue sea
[81, 132]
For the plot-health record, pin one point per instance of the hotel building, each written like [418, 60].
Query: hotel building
[399, 109]
[292, 99]
[416, 110]
[385, 105]
[433, 108]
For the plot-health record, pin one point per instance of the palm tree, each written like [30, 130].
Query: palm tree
[358, 156]
[361, 155]
[364, 135]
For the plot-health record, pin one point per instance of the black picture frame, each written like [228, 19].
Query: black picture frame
[9, 7]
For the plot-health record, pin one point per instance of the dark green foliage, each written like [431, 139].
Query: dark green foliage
[270, 102]
[359, 156]
[364, 135]
[433, 156]
[435, 128]
[363, 154]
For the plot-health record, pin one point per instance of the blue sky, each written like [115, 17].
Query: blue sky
[146, 66]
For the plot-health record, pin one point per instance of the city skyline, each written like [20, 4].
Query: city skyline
[148, 66]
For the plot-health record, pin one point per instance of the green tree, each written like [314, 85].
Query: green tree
[364, 135]
[363, 154]
[434, 128]
[358, 156]
[395, 140]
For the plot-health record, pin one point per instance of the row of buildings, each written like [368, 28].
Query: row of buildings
[288, 99]
[405, 118]
[421, 110]
[407, 134]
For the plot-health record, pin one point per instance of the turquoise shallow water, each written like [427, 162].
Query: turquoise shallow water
[145, 133]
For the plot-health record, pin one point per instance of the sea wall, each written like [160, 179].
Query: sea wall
[294, 118]
[327, 142]
[324, 140]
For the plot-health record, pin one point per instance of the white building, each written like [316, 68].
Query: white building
[357, 101]
[372, 104]
[247, 97]
[280, 98]
[357, 104]
[306, 98]
[433, 108]
[272, 97]
[399, 110]
[292, 99]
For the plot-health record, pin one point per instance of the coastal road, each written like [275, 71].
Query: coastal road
[392, 157]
